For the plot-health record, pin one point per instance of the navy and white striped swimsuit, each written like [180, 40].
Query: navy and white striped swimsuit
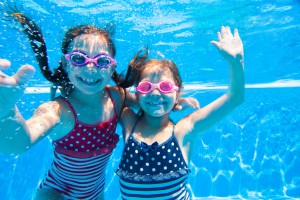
[80, 158]
[153, 171]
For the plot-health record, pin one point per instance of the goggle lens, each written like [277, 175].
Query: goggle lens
[77, 59]
[103, 61]
[166, 86]
[145, 87]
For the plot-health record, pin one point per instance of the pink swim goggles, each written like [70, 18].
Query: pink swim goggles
[78, 58]
[164, 87]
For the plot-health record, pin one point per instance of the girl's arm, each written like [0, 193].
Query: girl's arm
[231, 47]
[127, 121]
[17, 135]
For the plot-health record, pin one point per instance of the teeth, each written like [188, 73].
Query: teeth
[156, 103]
[89, 80]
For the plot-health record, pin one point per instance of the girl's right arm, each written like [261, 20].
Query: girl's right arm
[16, 134]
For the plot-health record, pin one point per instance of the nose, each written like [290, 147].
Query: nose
[155, 91]
[91, 67]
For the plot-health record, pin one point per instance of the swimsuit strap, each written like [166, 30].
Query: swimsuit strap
[173, 134]
[110, 96]
[71, 107]
[135, 124]
[124, 104]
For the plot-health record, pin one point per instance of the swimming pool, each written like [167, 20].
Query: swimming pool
[252, 154]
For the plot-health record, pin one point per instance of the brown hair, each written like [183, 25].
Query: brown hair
[140, 61]
[59, 77]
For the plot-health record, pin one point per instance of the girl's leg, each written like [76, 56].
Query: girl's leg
[47, 194]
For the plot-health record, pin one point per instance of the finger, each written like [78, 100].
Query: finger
[219, 36]
[215, 43]
[236, 33]
[197, 104]
[177, 108]
[228, 31]
[4, 64]
[24, 74]
[223, 32]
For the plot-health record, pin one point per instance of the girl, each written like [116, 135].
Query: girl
[81, 122]
[155, 159]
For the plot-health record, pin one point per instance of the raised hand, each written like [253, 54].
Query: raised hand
[230, 46]
[12, 87]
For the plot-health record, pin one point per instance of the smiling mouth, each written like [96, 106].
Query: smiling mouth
[155, 103]
[89, 81]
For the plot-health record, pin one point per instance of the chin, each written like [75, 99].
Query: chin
[157, 114]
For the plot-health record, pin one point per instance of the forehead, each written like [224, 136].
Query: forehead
[157, 73]
[90, 43]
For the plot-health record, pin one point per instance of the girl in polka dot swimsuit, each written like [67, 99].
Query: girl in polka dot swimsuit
[81, 122]
[155, 158]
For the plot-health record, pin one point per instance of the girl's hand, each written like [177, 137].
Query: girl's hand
[185, 103]
[230, 46]
[12, 87]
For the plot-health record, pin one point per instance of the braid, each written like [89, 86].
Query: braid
[37, 42]
[133, 68]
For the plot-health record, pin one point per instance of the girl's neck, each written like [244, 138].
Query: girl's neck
[87, 98]
[156, 122]
[154, 129]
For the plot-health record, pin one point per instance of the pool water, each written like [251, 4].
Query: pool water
[254, 153]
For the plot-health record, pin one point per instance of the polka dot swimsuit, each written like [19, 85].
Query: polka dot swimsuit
[80, 159]
[162, 166]
[164, 158]
[88, 140]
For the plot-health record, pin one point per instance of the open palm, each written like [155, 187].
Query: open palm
[12, 87]
[230, 46]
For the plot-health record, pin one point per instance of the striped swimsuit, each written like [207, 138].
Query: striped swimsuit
[153, 171]
[80, 158]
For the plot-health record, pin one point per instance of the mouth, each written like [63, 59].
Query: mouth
[89, 81]
[155, 103]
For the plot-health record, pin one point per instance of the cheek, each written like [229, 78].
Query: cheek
[110, 71]
[140, 98]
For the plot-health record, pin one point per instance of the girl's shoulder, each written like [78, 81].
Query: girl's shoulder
[127, 121]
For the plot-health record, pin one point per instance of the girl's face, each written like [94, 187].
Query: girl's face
[88, 78]
[155, 103]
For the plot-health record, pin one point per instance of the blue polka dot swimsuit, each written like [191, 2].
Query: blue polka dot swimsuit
[153, 171]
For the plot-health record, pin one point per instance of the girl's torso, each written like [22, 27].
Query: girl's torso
[101, 110]
[156, 170]
[89, 139]
[80, 158]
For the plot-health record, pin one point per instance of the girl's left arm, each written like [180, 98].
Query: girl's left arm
[231, 48]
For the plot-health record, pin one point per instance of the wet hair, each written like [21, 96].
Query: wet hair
[59, 77]
[140, 61]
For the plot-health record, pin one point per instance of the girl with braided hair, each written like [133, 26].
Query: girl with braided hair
[81, 122]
